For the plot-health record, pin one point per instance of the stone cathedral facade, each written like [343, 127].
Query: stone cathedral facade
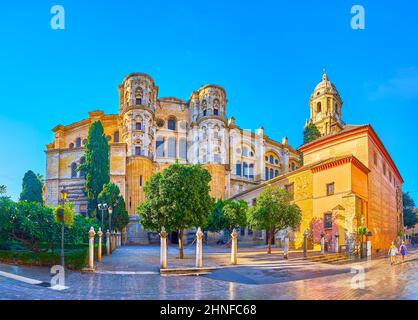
[150, 132]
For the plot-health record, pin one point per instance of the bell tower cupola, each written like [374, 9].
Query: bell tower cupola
[325, 105]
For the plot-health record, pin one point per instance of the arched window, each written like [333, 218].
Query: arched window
[238, 168]
[172, 147]
[216, 105]
[183, 149]
[116, 136]
[318, 107]
[245, 152]
[276, 173]
[266, 173]
[138, 151]
[251, 171]
[271, 173]
[138, 126]
[78, 143]
[204, 107]
[245, 169]
[138, 96]
[160, 147]
[74, 170]
[84, 142]
[271, 159]
[171, 124]
[82, 171]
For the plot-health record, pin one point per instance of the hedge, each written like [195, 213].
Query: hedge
[76, 256]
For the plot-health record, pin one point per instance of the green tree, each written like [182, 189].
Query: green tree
[274, 212]
[31, 188]
[3, 189]
[409, 215]
[27, 223]
[310, 133]
[177, 199]
[111, 196]
[96, 165]
[228, 214]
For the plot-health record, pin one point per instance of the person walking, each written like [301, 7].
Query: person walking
[402, 250]
[392, 253]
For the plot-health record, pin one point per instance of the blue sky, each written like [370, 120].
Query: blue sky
[269, 56]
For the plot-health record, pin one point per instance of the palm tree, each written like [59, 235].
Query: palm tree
[3, 189]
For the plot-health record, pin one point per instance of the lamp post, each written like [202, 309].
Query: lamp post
[337, 236]
[63, 199]
[110, 209]
[102, 207]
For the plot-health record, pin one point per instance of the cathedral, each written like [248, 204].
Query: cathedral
[343, 179]
[150, 132]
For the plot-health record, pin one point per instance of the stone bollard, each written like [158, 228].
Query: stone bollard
[99, 249]
[119, 236]
[92, 233]
[107, 243]
[199, 248]
[234, 246]
[286, 248]
[322, 244]
[163, 249]
[336, 249]
[113, 241]
[124, 236]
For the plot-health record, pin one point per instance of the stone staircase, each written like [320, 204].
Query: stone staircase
[75, 194]
[332, 258]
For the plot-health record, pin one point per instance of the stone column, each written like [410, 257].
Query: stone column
[113, 241]
[286, 248]
[322, 243]
[234, 246]
[92, 233]
[124, 236]
[107, 243]
[99, 249]
[163, 249]
[117, 239]
[199, 248]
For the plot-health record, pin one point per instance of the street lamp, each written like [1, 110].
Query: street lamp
[102, 207]
[63, 199]
[110, 217]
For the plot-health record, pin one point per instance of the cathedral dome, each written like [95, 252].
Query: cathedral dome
[325, 87]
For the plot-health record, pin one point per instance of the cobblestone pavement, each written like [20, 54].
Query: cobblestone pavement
[132, 273]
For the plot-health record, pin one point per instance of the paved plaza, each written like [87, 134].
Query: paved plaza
[133, 273]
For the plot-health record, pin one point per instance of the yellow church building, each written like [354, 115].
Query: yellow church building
[347, 179]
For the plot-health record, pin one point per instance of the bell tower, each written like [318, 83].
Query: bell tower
[326, 105]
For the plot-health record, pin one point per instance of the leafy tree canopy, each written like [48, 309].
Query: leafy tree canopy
[31, 188]
[228, 214]
[310, 133]
[409, 215]
[177, 198]
[111, 196]
[273, 212]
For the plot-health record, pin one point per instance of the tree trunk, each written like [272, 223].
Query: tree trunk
[181, 256]
[270, 238]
